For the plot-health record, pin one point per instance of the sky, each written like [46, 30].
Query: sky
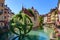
[42, 6]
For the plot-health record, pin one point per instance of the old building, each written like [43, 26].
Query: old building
[1, 12]
[58, 21]
[35, 18]
[5, 15]
[52, 19]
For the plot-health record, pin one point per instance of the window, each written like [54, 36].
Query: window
[58, 27]
[1, 11]
[8, 12]
[5, 17]
[5, 12]
[1, 4]
[35, 17]
[1, 24]
[1, 18]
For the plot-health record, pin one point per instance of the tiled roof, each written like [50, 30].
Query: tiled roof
[50, 11]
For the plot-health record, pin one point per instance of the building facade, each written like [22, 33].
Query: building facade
[1, 12]
[5, 15]
[35, 18]
[52, 20]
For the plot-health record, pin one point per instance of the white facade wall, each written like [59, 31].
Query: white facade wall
[45, 19]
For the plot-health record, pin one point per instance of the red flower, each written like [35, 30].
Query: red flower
[58, 35]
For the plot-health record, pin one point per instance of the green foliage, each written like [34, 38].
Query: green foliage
[56, 12]
[41, 19]
[20, 26]
[31, 12]
[41, 22]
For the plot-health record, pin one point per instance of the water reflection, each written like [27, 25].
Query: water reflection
[37, 36]
[28, 37]
[43, 36]
[40, 36]
[4, 36]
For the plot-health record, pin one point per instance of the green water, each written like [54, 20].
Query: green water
[36, 35]
[33, 35]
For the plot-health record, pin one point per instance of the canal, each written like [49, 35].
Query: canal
[36, 35]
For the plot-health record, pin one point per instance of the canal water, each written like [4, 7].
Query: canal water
[43, 36]
[36, 35]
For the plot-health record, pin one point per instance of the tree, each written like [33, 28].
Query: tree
[32, 13]
[20, 25]
[41, 22]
